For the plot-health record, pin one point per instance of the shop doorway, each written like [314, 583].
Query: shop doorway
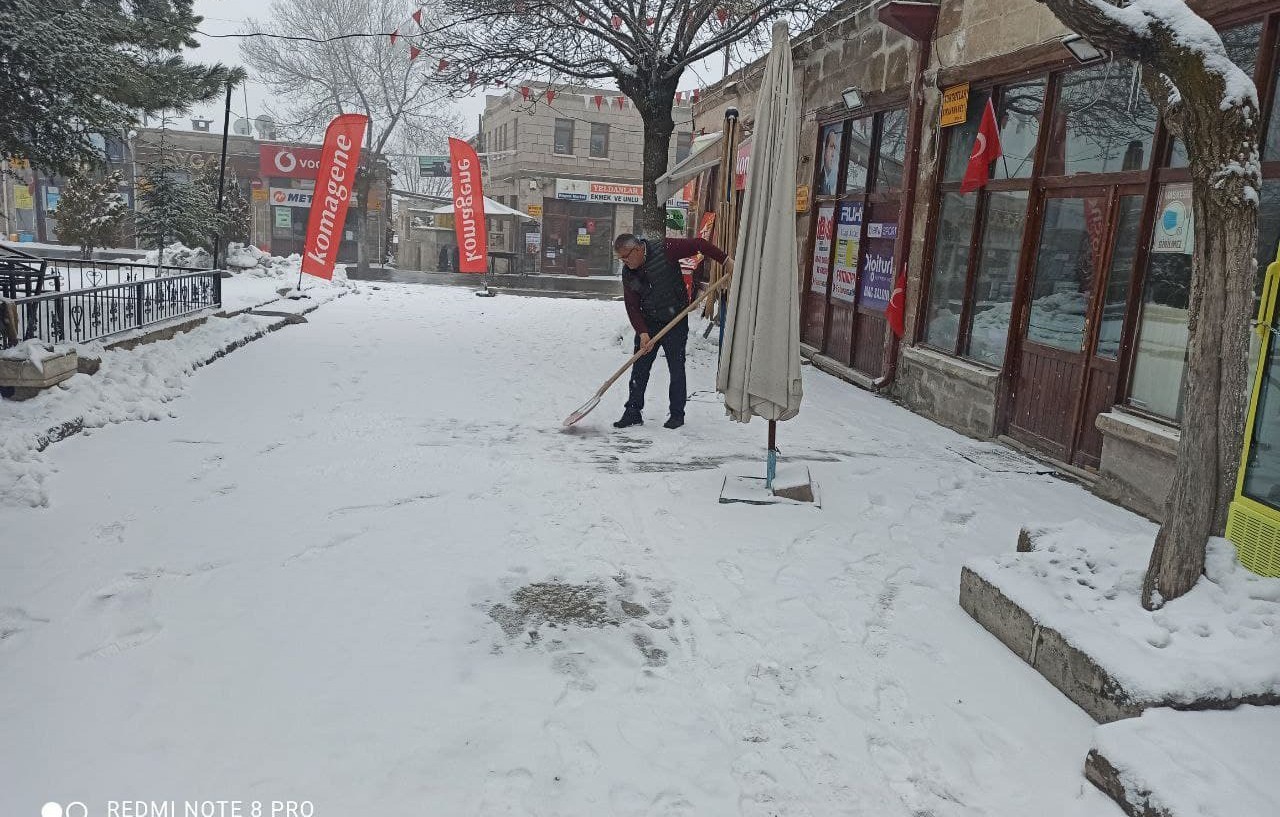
[1066, 368]
[577, 238]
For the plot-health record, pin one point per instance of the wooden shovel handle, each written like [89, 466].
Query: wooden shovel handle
[721, 281]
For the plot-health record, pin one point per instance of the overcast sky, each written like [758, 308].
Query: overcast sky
[228, 17]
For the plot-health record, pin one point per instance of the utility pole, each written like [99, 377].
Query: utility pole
[222, 175]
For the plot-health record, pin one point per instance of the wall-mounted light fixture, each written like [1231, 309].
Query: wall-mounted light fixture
[1084, 51]
[852, 98]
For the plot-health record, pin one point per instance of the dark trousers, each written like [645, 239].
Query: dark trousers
[672, 345]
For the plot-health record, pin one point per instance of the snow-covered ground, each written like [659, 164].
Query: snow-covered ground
[326, 574]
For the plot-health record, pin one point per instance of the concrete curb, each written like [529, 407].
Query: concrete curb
[70, 428]
[1075, 673]
[1101, 773]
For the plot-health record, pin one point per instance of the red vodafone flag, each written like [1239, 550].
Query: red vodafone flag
[986, 149]
[338, 162]
[468, 208]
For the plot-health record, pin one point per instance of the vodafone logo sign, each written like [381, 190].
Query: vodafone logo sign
[289, 162]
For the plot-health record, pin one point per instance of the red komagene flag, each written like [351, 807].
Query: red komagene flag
[338, 162]
[986, 149]
[468, 208]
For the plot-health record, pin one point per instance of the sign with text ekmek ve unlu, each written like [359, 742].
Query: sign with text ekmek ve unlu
[468, 208]
[338, 162]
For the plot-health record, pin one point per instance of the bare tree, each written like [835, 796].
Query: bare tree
[1211, 105]
[643, 46]
[407, 147]
[348, 71]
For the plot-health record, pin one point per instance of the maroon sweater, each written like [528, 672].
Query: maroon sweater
[676, 249]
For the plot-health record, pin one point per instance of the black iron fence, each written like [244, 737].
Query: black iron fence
[80, 315]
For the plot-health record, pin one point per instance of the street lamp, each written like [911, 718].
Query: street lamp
[1084, 51]
[852, 98]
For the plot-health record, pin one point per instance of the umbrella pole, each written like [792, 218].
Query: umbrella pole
[771, 467]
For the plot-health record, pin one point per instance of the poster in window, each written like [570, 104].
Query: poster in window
[844, 284]
[822, 248]
[877, 266]
[1174, 232]
[829, 160]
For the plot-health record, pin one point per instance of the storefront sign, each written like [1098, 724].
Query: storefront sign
[1175, 232]
[284, 217]
[261, 194]
[877, 274]
[822, 248]
[336, 174]
[844, 284]
[288, 197]
[52, 196]
[955, 105]
[535, 210]
[289, 162]
[434, 167]
[22, 197]
[584, 240]
[742, 165]
[600, 192]
[882, 229]
[802, 198]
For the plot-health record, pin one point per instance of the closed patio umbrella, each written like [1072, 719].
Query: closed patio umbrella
[760, 357]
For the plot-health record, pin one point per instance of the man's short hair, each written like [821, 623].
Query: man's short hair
[625, 240]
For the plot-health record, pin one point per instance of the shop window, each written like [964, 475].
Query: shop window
[1271, 151]
[893, 150]
[1242, 47]
[1066, 261]
[961, 137]
[684, 145]
[1019, 116]
[1160, 357]
[1103, 122]
[563, 144]
[858, 162]
[950, 269]
[829, 159]
[599, 140]
[1116, 300]
[997, 276]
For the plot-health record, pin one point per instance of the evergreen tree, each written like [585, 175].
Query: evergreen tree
[172, 207]
[71, 69]
[91, 211]
[232, 224]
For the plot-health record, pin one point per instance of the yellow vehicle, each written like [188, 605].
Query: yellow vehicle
[1253, 521]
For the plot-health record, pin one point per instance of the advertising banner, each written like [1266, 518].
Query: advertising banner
[468, 208]
[822, 248]
[844, 284]
[288, 197]
[290, 162]
[338, 162]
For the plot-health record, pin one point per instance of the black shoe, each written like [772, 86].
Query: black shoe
[673, 422]
[629, 420]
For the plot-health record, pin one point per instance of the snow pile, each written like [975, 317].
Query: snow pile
[178, 254]
[259, 278]
[1203, 763]
[1219, 641]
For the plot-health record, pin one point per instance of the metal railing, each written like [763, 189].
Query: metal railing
[80, 315]
[74, 273]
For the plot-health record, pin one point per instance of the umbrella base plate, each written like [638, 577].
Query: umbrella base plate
[792, 486]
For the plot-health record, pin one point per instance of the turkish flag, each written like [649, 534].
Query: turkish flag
[896, 312]
[986, 149]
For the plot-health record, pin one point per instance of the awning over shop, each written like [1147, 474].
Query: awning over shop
[491, 209]
[701, 158]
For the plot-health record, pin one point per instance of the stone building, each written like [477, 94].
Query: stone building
[1049, 308]
[574, 163]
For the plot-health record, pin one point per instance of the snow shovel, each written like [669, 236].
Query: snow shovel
[586, 407]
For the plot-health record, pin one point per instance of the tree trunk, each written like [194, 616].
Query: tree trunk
[364, 182]
[1221, 135]
[654, 101]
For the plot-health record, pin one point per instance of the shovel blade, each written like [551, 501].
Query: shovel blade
[582, 411]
